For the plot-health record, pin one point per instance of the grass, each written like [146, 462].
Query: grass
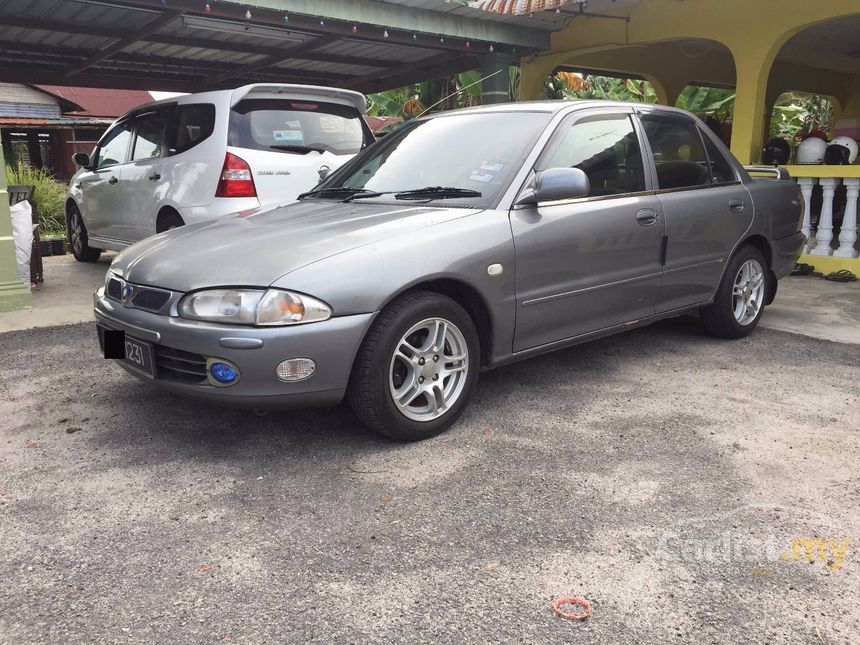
[50, 196]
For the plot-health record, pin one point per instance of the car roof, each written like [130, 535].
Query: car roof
[557, 105]
[303, 92]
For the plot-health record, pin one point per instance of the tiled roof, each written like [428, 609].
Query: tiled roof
[99, 102]
[62, 122]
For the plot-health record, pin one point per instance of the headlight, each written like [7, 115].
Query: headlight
[252, 306]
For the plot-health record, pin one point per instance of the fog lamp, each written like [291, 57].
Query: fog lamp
[221, 372]
[295, 369]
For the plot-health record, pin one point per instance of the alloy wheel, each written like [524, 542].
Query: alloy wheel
[429, 369]
[748, 292]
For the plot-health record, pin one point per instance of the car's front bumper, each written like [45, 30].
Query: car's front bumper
[331, 344]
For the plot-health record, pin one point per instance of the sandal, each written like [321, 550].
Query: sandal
[802, 269]
[841, 276]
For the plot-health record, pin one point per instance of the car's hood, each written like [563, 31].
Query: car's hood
[256, 249]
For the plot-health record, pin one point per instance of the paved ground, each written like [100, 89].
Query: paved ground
[66, 296]
[660, 474]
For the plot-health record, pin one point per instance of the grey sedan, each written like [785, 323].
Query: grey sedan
[460, 242]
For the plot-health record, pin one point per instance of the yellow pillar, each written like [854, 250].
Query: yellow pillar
[533, 72]
[13, 293]
[752, 62]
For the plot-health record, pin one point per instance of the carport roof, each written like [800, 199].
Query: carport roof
[194, 45]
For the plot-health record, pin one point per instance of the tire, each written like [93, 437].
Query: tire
[171, 220]
[78, 238]
[740, 299]
[381, 372]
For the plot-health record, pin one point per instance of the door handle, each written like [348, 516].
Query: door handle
[647, 217]
[154, 177]
[737, 205]
[113, 180]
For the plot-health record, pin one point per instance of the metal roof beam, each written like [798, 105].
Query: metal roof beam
[271, 60]
[154, 25]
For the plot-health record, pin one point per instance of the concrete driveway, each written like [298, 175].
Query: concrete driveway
[677, 482]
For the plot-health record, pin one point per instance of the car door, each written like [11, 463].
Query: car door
[707, 208]
[590, 263]
[101, 206]
[141, 185]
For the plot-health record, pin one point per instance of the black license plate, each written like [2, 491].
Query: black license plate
[138, 354]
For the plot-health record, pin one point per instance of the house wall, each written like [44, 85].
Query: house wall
[23, 101]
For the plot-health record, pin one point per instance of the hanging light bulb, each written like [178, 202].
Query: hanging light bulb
[322, 23]
[491, 48]
[207, 8]
[557, 10]
[468, 45]
[531, 15]
[385, 34]
[414, 36]
[354, 29]
[441, 40]
[248, 15]
[286, 18]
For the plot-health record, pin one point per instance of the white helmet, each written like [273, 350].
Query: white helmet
[842, 151]
[811, 151]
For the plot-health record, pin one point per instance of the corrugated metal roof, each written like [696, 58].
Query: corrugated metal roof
[99, 102]
[74, 42]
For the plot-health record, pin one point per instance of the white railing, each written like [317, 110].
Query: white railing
[819, 243]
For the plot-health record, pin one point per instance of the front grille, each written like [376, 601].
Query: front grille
[180, 366]
[150, 299]
[114, 289]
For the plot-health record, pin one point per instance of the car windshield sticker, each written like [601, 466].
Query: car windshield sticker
[287, 136]
[486, 172]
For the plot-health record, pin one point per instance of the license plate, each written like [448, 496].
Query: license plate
[138, 354]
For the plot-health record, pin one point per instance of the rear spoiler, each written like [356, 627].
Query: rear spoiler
[776, 171]
[301, 92]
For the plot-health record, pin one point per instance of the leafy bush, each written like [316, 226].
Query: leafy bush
[50, 196]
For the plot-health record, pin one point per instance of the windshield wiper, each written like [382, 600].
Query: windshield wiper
[338, 190]
[302, 150]
[436, 192]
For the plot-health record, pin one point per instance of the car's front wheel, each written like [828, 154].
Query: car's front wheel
[417, 367]
[78, 238]
[740, 298]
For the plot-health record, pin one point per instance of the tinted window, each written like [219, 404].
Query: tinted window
[287, 126]
[721, 169]
[194, 123]
[149, 137]
[607, 150]
[478, 152]
[114, 147]
[678, 152]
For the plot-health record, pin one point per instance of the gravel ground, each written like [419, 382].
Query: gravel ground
[660, 474]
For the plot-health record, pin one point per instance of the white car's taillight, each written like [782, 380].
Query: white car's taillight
[236, 179]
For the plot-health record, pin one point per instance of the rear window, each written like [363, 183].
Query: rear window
[296, 126]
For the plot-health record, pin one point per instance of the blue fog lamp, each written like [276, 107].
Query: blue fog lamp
[221, 373]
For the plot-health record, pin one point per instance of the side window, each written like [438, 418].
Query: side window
[679, 155]
[114, 148]
[149, 136]
[606, 148]
[194, 124]
[721, 169]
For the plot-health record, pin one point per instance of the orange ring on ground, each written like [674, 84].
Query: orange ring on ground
[572, 601]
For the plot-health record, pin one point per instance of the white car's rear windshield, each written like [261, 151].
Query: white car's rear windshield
[297, 127]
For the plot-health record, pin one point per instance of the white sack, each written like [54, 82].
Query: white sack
[22, 236]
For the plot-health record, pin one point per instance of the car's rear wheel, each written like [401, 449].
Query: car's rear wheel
[78, 238]
[740, 298]
[168, 221]
[417, 367]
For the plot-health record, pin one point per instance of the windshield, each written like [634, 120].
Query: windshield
[296, 127]
[476, 153]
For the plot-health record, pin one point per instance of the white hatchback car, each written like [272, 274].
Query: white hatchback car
[201, 156]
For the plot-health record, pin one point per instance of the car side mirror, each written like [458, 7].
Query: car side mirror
[554, 184]
[81, 159]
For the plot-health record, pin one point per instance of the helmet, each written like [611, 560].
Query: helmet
[776, 152]
[811, 151]
[842, 151]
